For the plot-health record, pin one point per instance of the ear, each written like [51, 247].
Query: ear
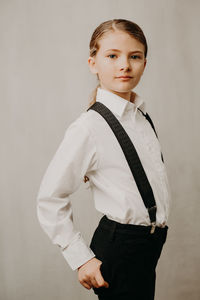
[92, 64]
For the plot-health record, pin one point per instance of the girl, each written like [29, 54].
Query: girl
[114, 146]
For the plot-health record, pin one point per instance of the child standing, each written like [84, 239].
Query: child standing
[114, 145]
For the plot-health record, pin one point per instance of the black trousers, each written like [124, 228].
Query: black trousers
[129, 255]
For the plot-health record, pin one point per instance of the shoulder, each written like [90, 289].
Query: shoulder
[83, 126]
[87, 119]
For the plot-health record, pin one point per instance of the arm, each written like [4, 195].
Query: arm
[74, 157]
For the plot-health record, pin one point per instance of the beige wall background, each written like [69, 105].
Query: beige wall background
[45, 84]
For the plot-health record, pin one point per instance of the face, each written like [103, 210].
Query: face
[127, 59]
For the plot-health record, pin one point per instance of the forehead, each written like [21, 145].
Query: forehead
[119, 40]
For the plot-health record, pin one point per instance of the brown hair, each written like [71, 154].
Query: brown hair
[111, 25]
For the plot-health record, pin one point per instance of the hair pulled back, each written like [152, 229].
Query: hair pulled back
[112, 25]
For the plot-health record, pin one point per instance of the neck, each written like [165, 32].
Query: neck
[132, 98]
[129, 96]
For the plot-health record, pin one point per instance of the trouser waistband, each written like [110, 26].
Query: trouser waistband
[114, 226]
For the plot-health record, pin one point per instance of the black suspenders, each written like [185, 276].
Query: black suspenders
[151, 122]
[132, 158]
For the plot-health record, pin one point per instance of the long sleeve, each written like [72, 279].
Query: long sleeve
[75, 156]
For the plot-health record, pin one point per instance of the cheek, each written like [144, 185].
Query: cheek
[107, 68]
[138, 68]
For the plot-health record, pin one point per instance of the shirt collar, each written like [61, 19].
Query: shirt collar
[117, 104]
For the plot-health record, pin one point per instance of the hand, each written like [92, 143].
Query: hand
[89, 274]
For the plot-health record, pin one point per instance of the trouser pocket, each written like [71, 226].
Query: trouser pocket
[104, 269]
[101, 246]
[112, 269]
[100, 242]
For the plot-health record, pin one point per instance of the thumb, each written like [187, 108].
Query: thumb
[100, 279]
[106, 284]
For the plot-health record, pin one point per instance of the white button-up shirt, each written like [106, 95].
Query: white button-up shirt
[90, 148]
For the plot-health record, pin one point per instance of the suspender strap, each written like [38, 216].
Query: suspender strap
[147, 116]
[132, 159]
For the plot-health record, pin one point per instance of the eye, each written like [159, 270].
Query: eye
[111, 55]
[137, 56]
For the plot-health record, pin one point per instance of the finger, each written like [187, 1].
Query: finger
[100, 280]
[94, 283]
[86, 285]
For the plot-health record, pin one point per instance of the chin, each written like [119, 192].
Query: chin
[123, 90]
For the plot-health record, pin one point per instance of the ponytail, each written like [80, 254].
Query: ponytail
[93, 96]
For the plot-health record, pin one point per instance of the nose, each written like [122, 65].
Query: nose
[125, 64]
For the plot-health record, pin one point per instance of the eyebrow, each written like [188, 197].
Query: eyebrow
[138, 51]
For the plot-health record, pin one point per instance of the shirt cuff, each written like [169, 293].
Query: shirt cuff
[77, 253]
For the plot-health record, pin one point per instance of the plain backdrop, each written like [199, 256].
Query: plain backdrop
[45, 84]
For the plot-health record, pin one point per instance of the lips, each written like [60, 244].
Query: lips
[124, 77]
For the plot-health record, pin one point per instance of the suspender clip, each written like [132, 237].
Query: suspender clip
[153, 227]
